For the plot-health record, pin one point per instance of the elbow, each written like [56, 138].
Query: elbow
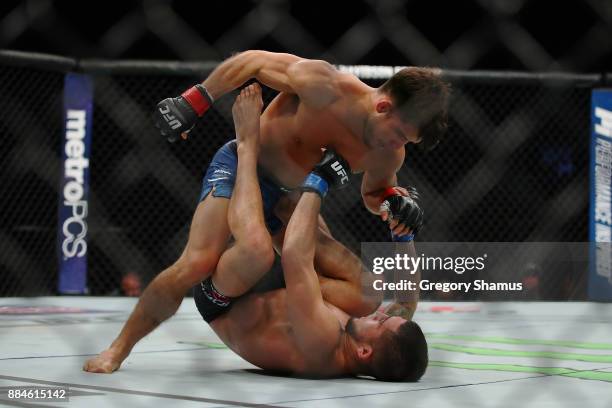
[371, 198]
[247, 63]
[302, 71]
[251, 55]
[295, 75]
[372, 204]
[367, 306]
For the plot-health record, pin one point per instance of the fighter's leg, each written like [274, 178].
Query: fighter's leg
[207, 239]
[251, 255]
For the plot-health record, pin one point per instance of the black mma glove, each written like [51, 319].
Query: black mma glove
[403, 209]
[332, 172]
[174, 116]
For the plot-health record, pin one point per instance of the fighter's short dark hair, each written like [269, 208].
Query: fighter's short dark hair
[421, 97]
[401, 355]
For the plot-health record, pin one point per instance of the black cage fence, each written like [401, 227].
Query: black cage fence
[513, 167]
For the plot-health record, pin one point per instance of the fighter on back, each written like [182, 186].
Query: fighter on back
[296, 330]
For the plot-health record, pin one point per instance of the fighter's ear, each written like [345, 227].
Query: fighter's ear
[364, 351]
[384, 105]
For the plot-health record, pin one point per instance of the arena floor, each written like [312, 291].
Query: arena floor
[482, 354]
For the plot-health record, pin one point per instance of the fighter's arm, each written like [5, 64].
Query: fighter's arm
[269, 68]
[310, 319]
[405, 302]
[375, 182]
[396, 205]
[316, 328]
[312, 80]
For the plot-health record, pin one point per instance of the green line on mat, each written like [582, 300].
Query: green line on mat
[205, 344]
[592, 358]
[504, 367]
[566, 372]
[591, 375]
[508, 340]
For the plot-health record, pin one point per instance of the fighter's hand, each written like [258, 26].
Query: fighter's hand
[399, 208]
[177, 116]
[404, 309]
[246, 112]
[332, 172]
[106, 362]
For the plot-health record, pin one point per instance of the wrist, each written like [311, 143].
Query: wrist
[198, 98]
[247, 146]
[120, 349]
[388, 192]
[403, 238]
[315, 183]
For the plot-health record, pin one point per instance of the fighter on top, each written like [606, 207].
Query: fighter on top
[321, 107]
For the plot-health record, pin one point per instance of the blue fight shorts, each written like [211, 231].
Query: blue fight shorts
[221, 175]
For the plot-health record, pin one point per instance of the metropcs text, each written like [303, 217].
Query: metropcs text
[74, 227]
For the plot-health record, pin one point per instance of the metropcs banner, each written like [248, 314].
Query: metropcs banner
[600, 229]
[74, 189]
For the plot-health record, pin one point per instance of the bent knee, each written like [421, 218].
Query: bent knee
[371, 303]
[257, 245]
[199, 264]
[364, 306]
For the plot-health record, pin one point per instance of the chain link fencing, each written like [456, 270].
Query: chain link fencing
[30, 125]
[471, 34]
[513, 167]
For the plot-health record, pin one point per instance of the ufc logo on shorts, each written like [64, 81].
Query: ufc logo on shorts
[171, 120]
[340, 171]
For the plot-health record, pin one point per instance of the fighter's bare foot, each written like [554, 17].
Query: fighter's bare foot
[106, 362]
[246, 112]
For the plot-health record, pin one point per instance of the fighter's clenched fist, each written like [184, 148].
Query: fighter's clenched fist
[176, 116]
[399, 207]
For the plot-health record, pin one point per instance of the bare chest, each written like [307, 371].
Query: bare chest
[292, 136]
[259, 330]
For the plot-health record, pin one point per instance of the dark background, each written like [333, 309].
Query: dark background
[572, 35]
[513, 168]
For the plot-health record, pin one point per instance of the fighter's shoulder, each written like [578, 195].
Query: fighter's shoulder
[349, 83]
[323, 70]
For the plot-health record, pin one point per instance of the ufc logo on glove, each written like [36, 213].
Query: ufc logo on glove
[341, 172]
[170, 119]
